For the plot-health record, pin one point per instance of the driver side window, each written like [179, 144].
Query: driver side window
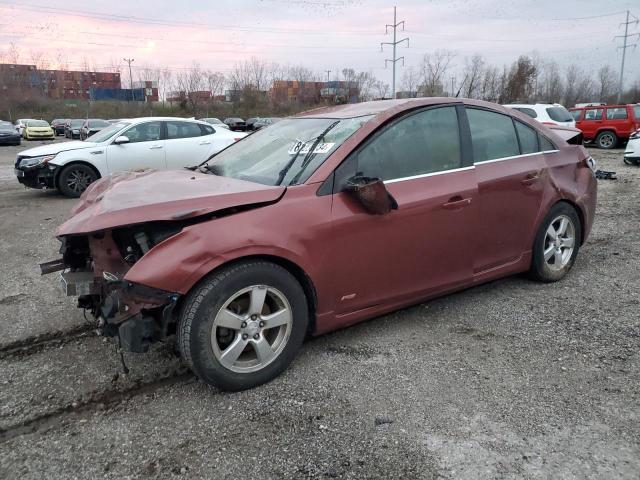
[418, 144]
[144, 132]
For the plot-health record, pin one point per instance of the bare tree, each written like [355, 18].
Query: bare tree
[13, 54]
[606, 83]
[382, 89]
[410, 79]
[433, 69]
[473, 74]
[550, 85]
[519, 81]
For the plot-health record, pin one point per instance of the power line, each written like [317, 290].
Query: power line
[395, 42]
[624, 46]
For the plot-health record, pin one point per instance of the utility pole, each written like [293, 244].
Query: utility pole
[130, 61]
[328, 73]
[624, 46]
[453, 79]
[395, 42]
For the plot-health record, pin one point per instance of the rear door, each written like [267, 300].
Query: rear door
[509, 169]
[591, 123]
[618, 119]
[422, 247]
[145, 149]
[186, 144]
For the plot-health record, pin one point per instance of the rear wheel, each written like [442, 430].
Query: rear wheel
[75, 178]
[242, 326]
[606, 140]
[556, 244]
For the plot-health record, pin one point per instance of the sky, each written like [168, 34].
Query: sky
[319, 34]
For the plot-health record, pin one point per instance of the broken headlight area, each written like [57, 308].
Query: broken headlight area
[93, 269]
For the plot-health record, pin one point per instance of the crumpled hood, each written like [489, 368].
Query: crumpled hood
[56, 148]
[128, 198]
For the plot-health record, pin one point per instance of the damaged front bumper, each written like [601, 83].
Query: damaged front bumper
[93, 269]
[41, 176]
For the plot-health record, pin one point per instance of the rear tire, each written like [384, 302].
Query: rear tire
[225, 322]
[75, 178]
[606, 140]
[556, 245]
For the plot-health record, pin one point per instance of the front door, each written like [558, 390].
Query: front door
[592, 122]
[425, 245]
[145, 149]
[510, 171]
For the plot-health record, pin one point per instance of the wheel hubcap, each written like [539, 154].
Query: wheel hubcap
[606, 140]
[251, 329]
[559, 242]
[78, 181]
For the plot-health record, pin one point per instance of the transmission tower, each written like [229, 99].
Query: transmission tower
[626, 45]
[395, 42]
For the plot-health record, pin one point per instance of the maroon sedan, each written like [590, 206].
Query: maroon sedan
[321, 221]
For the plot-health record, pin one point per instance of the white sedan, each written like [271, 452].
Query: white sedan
[137, 144]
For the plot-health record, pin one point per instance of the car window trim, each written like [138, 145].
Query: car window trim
[501, 159]
[430, 174]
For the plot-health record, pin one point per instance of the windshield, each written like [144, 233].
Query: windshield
[559, 114]
[108, 132]
[6, 127]
[76, 123]
[37, 123]
[98, 123]
[266, 156]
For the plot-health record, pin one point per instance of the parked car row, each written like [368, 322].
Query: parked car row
[239, 125]
[606, 125]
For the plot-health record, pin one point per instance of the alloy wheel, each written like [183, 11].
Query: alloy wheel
[606, 141]
[559, 242]
[78, 180]
[251, 329]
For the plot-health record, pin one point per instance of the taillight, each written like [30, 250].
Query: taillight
[591, 163]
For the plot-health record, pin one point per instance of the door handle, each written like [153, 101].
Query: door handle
[456, 203]
[155, 147]
[205, 143]
[531, 179]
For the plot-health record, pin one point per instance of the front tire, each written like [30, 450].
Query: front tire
[606, 140]
[75, 178]
[556, 244]
[243, 325]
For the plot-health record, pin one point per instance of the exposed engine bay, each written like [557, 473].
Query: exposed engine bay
[93, 268]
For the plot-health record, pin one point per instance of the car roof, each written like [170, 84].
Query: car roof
[352, 110]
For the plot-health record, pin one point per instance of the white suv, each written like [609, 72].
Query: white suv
[547, 113]
[143, 143]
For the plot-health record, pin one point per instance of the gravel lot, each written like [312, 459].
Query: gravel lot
[512, 379]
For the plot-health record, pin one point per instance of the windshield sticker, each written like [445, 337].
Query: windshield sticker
[305, 147]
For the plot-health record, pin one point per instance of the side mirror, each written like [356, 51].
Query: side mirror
[371, 194]
[121, 139]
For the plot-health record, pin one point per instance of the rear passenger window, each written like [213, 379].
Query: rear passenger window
[182, 130]
[492, 134]
[545, 144]
[616, 113]
[593, 114]
[528, 111]
[421, 143]
[528, 138]
[207, 129]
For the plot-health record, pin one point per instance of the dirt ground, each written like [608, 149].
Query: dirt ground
[512, 379]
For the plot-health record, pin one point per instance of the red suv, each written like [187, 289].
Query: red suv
[607, 124]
